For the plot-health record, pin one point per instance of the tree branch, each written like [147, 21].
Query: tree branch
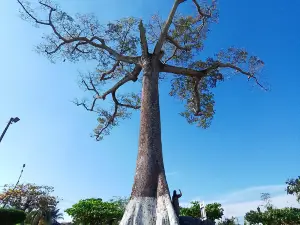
[133, 76]
[82, 40]
[103, 76]
[182, 71]
[177, 45]
[110, 118]
[205, 72]
[163, 35]
[200, 11]
[143, 38]
[172, 56]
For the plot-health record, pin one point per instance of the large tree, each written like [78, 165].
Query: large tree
[128, 50]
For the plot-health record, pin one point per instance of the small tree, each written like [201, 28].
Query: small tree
[28, 197]
[229, 221]
[293, 187]
[214, 211]
[193, 210]
[95, 211]
[161, 49]
[11, 216]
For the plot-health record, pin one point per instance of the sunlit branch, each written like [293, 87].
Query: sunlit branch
[200, 11]
[112, 70]
[144, 45]
[163, 35]
[205, 72]
[94, 41]
[133, 76]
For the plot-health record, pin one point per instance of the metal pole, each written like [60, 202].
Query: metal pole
[7, 126]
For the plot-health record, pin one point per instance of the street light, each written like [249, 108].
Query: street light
[11, 121]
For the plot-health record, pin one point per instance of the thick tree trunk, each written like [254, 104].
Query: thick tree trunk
[150, 202]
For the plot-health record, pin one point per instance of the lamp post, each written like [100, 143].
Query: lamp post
[11, 121]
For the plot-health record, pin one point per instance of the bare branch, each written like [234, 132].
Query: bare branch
[163, 35]
[143, 38]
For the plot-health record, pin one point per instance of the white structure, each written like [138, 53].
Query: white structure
[202, 210]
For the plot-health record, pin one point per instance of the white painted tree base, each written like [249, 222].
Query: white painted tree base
[150, 211]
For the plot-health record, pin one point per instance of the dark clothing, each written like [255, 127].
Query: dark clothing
[175, 203]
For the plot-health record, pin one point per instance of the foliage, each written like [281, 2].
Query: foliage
[272, 216]
[122, 48]
[28, 197]
[95, 211]
[293, 187]
[11, 216]
[193, 210]
[121, 202]
[44, 215]
[228, 221]
[266, 198]
[214, 211]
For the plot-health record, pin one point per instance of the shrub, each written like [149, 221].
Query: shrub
[11, 216]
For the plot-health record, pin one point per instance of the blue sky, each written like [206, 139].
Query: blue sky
[253, 141]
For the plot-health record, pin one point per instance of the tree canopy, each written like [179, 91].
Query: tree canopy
[28, 196]
[95, 211]
[273, 216]
[293, 187]
[120, 49]
[214, 211]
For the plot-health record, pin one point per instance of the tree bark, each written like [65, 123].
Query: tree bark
[150, 201]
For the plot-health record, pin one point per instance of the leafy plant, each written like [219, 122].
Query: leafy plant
[293, 187]
[95, 211]
[214, 211]
[272, 216]
[11, 216]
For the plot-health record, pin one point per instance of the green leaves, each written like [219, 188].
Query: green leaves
[11, 216]
[199, 106]
[287, 216]
[193, 210]
[95, 211]
[214, 211]
[293, 187]
[273, 216]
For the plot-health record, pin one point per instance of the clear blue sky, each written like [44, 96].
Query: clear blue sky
[254, 139]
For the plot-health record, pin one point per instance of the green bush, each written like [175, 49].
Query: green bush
[11, 216]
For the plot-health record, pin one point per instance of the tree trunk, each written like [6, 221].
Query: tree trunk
[150, 202]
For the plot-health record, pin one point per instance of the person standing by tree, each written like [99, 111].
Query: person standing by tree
[175, 201]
